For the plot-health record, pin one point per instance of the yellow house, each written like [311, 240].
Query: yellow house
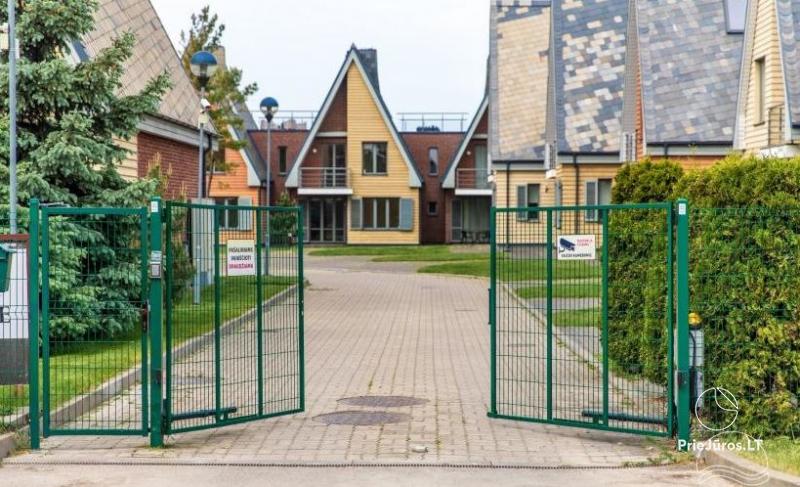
[354, 175]
[769, 92]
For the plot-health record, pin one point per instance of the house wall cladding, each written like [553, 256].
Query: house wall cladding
[292, 140]
[178, 162]
[432, 226]
[518, 81]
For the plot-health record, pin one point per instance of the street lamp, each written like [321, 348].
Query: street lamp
[269, 107]
[203, 65]
[13, 52]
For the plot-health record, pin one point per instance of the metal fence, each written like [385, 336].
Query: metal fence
[234, 335]
[571, 321]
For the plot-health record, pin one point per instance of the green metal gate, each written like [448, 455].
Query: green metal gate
[94, 288]
[234, 315]
[566, 302]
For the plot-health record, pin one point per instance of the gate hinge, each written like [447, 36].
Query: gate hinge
[158, 377]
[145, 314]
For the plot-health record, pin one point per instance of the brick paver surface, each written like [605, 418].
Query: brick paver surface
[382, 330]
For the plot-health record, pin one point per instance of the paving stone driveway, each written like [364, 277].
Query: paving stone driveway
[383, 330]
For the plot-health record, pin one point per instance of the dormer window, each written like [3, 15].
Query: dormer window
[735, 15]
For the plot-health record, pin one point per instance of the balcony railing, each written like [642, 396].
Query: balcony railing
[287, 119]
[324, 178]
[433, 122]
[472, 179]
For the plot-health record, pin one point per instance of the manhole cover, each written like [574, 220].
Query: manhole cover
[362, 418]
[383, 401]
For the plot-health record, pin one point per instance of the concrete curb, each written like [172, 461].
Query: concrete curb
[738, 468]
[129, 378]
[8, 443]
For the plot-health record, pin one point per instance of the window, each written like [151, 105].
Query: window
[433, 161]
[228, 219]
[433, 208]
[282, 159]
[735, 15]
[598, 192]
[336, 155]
[760, 89]
[382, 213]
[528, 197]
[374, 154]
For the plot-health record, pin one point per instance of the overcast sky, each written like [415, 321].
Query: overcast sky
[431, 53]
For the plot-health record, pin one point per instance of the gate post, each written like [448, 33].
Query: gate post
[493, 311]
[683, 399]
[33, 324]
[154, 325]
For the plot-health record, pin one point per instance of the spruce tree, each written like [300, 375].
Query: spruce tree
[70, 115]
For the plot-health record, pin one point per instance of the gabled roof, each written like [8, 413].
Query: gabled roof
[366, 62]
[690, 70]
[789, 31]
[590, 43]
[153, 54]
[250, 155]
[449, 178]
[519, 51]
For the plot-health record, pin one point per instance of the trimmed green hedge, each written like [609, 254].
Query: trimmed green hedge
[744, 281]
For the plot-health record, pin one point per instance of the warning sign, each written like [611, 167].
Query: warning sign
[577, 247]
[241, 258]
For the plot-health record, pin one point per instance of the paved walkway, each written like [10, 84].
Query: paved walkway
[382, 330]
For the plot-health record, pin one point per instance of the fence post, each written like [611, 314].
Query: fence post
[683, 400]
[33, 325]
[493, 310]
[154, 325]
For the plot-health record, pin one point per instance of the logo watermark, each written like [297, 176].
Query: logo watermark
[716, 411]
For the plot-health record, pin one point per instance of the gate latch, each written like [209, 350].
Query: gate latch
[155, 264]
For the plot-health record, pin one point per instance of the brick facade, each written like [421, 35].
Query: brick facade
[292, 140]
[178, 162]
[433, 226]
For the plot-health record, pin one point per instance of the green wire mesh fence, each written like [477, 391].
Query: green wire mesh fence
[571, 318]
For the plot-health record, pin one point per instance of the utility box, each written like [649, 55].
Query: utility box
[14, 344]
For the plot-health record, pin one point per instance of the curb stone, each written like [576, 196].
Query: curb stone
[747, 467]
[8, 443]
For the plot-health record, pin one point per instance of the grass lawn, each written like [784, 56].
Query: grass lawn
[79, 367]
[562, 290]
[516, 270]
[783, 454]
[402, 253]
[578, 317]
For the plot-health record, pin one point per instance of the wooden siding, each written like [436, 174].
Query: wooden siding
[506, 197]
[765, 45]
[233, 184]
[571, 197]
[129, 167]
[365, 124]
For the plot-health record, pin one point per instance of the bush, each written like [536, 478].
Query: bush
[744, 281]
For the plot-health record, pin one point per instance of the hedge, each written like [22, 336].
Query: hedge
[744, 281]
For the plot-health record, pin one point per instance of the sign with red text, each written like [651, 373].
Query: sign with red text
[241, 258]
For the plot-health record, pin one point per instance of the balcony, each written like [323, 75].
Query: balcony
[324, 181]
[473, 182]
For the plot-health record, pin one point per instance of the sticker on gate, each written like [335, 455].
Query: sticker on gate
[577, 247]
[241, 258]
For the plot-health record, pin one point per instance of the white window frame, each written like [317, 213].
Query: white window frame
[375, 146]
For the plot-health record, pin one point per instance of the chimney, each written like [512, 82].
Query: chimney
[219, 53]
[369, 58]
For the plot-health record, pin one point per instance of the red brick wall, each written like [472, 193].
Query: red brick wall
[336, 119]
[432, 227]
[178, 162]
[292, 140]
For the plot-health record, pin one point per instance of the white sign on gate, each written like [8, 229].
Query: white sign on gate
[241, 258]
[577, 247]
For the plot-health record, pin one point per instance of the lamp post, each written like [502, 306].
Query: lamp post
[12, 114]
[269, 107]
[203, 65]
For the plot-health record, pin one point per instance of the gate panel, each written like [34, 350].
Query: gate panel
[234, 314]
[94, 297]
[577, 339]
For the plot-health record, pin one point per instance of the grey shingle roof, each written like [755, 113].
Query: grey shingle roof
[690, 71]
[589, 43]
[152, 55]
[789, 30]
[517, 79]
